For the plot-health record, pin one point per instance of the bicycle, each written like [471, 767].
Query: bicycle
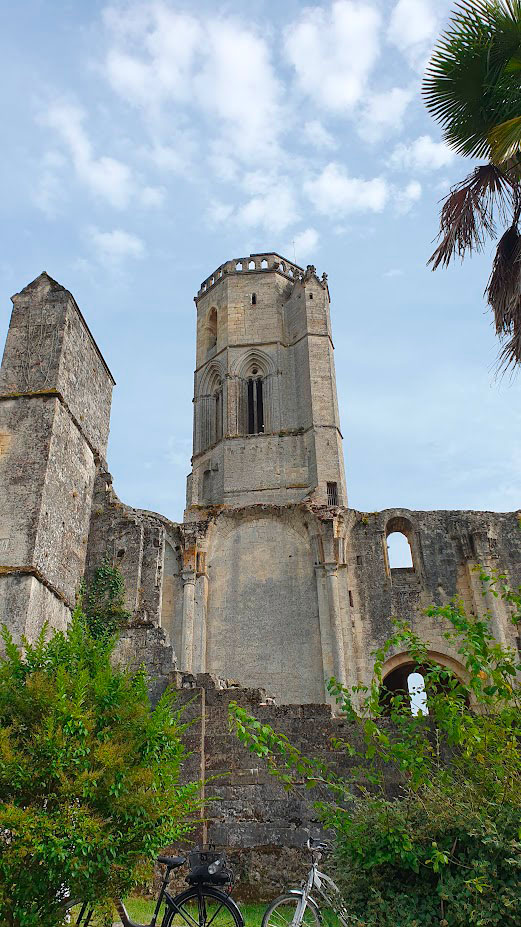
[297, 907]
[200, 905]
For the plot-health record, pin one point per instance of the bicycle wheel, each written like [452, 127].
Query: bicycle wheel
[203, 907]
[282, 911]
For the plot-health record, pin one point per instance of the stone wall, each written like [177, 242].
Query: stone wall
[55, 392]
[262, 828]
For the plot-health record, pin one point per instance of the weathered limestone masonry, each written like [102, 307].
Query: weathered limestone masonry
[271, 579]
[55, 396]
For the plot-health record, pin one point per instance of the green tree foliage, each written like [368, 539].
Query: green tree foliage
[427, 822]
[89, 775]
[472, 86]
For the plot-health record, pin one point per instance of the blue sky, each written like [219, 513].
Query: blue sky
[146, 143]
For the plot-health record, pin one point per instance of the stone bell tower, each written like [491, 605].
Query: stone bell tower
[266, 424]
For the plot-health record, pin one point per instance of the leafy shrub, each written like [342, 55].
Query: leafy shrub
[447, 849]
[89, 775]
[105, 600]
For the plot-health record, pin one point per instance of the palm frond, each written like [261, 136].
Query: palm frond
[505, 140]
[469, 213]
[471, 83]
[504, 295]
[504, 286]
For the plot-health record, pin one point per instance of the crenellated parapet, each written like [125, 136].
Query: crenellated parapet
[256, 264]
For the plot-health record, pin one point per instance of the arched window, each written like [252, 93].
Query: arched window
[417, 693]
[211, 329]
[407, 680]
[253, 393]
[399, 550]
[255, 403]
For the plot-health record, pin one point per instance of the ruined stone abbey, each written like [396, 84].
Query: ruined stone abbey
[271, 579]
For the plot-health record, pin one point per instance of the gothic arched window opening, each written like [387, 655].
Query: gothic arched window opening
[211, 329]
[255, 404]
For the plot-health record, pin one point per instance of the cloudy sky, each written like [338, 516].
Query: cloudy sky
[146, 143]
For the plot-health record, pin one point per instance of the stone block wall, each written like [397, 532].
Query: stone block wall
[262, 828]
[55, 393]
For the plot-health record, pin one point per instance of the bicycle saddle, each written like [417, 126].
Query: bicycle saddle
[318, 845]
[172, 861]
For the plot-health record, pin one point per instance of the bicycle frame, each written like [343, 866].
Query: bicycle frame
[327, 889]
[172, 905]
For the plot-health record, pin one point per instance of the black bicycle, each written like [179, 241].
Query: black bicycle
[206, 903]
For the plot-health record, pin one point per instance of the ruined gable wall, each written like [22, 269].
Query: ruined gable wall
[55, 394]
[447, 547]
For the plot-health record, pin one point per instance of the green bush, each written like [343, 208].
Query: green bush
[89, 775]
[105, 601]
[446, 849]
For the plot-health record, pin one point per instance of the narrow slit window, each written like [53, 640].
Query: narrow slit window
[254, 299]
[219, 414]
[255, 406]
[332, 493]
[260, 407]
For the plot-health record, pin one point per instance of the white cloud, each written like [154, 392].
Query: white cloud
[383, 113]
[393, 272]
[333, 50]
[423, 154]
[413, 27]
[152, 196]
[218, 212]
[273, 210]
[113, 247]
[334, 192]
[162, 57]
[317, 135]
[406, 197]
[105, 176]
[175, 159]
[49, 190]
[303, 246]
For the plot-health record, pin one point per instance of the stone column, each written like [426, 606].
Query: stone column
[337, 635]
[326, 644]
[199, 638]
[187, 645]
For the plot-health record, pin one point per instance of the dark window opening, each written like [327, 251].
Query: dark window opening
[218, 414]
[255, 407]
[254, 299]
[332, 493]
[351, 598]
[311, 295]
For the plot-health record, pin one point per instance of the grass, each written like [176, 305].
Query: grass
[141, 910]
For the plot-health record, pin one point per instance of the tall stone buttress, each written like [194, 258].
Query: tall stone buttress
[55, 397]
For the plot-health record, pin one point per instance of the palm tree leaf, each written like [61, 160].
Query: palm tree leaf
[469, 213]
[504, 286]
[505, 140]
[470, 85]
